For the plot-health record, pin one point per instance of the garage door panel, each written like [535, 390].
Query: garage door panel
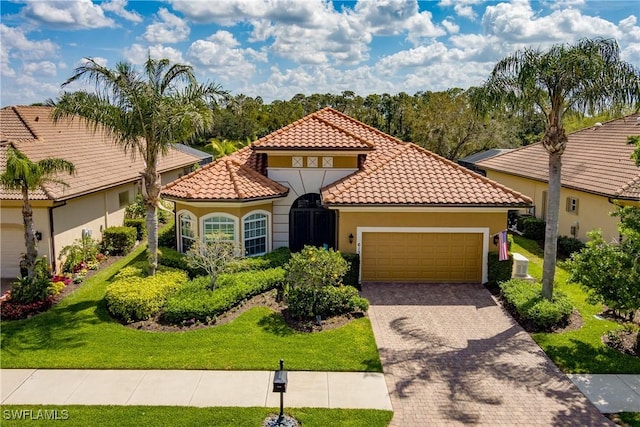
[424, 257]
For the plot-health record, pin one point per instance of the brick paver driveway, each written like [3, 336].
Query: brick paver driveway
[452, 356]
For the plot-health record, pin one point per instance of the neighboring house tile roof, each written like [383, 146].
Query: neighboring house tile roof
[225, 179]
[99, 162]
[483, 155]
[393, 173]
[596, 160]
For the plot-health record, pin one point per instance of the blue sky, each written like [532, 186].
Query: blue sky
[278, 48]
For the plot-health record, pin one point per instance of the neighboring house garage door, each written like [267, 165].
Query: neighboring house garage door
[434, 256]
[12, 242]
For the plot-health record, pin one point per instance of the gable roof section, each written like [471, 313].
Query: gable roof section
[226, 179]
[99, 162]
[317, 131]
[596, 160]
[415, 176]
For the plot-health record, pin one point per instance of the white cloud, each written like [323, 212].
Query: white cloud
[564, 4]
[138, 54]
[40, 69]
[223, 12]
[119, 8]
[15, 44]
[463, 8]
[168, 28]
[450, 26]
[66, 15]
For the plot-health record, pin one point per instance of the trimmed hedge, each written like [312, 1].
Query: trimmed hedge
[278, 257]
[525, 300]
[307, 302]
[498, 271]
[351, 277]
[197, 302]
[131, 298]
[139, 224]
[167, 234]
[568, 245]
[533, 228]
[118, 240]
[174, 259]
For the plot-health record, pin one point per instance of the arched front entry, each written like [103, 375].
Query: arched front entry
[310, 223]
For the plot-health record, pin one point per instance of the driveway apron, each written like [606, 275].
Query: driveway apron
[452, 356]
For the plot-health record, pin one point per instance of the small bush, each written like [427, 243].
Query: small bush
[80, 253]
[13, 310]
[525, 299]
[498, 271]
[351, 277]
[131, 298]
[306, 302]
[118, 240]
[278, 257]
[172, 258]
[139, 224]
[568, 245]
[167, 234]
[197, 302]
[315, 267]
[534, 228]
[27, 290]
[247, 264]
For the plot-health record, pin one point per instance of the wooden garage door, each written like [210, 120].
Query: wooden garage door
[421, 257]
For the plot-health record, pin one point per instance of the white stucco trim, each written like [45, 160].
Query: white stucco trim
[269, 228]
[480, 230]
[178, 227]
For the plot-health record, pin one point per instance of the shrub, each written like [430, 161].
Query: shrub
[167, 234]
[315, 267]
[12, 310]
[278, 257]
[196, 301]
[533, 228]
[139, 224]
[498, 271]
[172, 258]
[525, 299]
[247, 264]
[132, 298]
[568, 245]
[307, 302]
[81, 252]
[27, 290]
[351, 278]
[119, 240]
[213, 255]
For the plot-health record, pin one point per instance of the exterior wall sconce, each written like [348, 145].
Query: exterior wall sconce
[39, 236]
[351, 238]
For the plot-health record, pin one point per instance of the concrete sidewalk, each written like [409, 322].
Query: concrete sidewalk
[610, 393]
[359, 390]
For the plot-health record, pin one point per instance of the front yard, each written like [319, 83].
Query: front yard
[79, 333]
[581, 350]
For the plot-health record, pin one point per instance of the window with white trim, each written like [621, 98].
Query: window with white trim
[187, 224]
[219, 224]
[255, 234]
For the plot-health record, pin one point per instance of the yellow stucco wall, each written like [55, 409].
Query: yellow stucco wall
[593, 210]
[349, 221]
[339, 162]
[237, 211]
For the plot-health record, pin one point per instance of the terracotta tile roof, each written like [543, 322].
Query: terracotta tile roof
[318, 131]
[225, 179]
[393, 173]
[415, 176]
[99, 162]
[596, 160]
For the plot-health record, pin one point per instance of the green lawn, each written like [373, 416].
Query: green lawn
[168, 416]
[79, 333]
[582, 350]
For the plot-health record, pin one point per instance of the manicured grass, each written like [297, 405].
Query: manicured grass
[631, 419]
[582, 350]
[79, 333]
[168, 416]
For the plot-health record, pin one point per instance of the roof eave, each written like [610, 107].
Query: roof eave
[244, 200]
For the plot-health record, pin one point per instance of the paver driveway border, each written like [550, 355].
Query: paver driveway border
[452, 356]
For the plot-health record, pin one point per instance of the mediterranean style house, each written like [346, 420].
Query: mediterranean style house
[597, 174]
[106, 181]
[329, 180]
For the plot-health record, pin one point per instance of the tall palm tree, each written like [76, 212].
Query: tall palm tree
[24, 175]
[146, 113]
[588, 76]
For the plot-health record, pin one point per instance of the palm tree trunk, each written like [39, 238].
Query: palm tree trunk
[151, 182]
[31, 255]
[551, 232]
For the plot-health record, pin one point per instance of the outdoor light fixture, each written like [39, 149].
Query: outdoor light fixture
[351, 238]
[38, 236]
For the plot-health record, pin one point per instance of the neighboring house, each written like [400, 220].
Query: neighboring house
[328, 179]
[106, 181]
[470, 161]
[597, 172]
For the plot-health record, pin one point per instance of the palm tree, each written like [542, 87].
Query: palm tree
[146, 113]
[588, 76]
[24, 175]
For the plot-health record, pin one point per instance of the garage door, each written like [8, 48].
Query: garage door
[421, 257]
[12, 247]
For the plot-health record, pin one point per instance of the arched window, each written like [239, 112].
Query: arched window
[186, 230]
[219, 223]
[256, 234]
